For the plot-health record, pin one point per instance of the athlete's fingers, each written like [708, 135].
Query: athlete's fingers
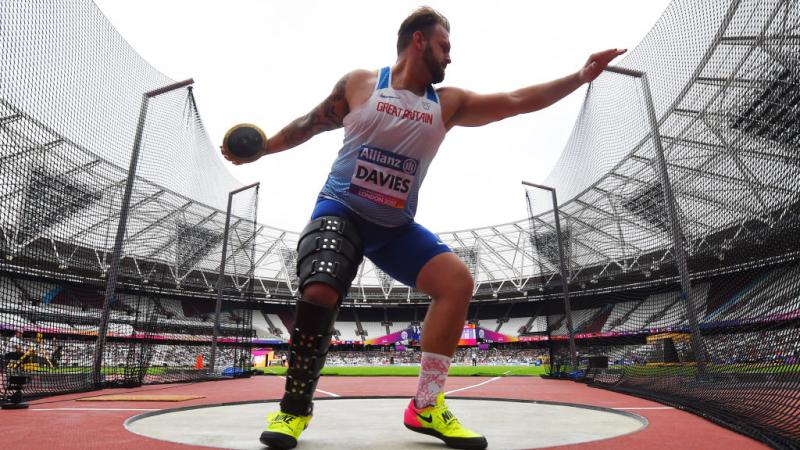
[226, 155]
[606, 56]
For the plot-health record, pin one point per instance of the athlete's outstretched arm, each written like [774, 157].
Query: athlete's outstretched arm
[469, 109]
[326, 116]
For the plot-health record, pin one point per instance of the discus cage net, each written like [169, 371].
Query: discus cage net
[680, 190]
[74, 314]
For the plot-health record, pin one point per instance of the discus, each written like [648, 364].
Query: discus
[244, 141]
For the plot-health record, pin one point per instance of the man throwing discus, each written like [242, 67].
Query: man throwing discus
[394, 121]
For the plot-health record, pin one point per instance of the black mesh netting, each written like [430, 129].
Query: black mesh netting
[71, 108]
[684, 271]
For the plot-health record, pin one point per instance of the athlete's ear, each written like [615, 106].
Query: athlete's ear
[419, 40]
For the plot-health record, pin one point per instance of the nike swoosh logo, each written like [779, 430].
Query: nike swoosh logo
[428, 419]
[387, 96]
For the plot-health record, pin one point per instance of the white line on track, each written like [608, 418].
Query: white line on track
[93, 409]
[329, 393]
[647, 407]
[320, 390]
[473, 386]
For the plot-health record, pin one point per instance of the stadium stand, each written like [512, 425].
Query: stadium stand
[373, 329]
[513, 326]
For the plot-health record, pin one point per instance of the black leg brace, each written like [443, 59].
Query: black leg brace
[310, 340]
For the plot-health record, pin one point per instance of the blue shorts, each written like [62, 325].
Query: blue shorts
[400, 252]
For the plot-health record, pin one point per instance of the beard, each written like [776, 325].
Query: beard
[434, 67]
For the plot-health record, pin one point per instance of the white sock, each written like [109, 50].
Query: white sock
[432, 376]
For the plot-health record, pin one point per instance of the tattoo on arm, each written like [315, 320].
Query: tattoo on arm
[327, 116]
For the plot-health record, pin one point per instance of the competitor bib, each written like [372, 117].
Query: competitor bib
[383, 177]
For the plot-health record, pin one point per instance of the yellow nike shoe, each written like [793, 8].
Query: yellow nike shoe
[439, 422]
[283, 430]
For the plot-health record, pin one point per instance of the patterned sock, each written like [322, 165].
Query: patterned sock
[432, 375]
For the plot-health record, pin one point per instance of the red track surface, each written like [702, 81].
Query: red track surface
[50, 424]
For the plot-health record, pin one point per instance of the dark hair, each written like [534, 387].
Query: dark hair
[424, 19]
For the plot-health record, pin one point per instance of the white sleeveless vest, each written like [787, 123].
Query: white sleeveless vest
[389, 142]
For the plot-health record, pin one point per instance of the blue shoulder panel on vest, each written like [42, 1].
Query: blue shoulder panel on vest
[383, 79]
[430, 93]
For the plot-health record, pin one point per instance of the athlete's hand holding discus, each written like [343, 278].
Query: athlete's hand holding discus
[244, 143]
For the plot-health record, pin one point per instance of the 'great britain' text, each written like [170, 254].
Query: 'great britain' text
[403, 113]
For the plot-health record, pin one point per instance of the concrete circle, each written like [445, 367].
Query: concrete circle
[370, 423]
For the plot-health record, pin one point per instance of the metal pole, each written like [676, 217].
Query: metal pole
[251, 286]
[698, 345]
[677, 235]
[212, 360]
[625, 71]
[573, 357]
[169, 88]
[113, 267]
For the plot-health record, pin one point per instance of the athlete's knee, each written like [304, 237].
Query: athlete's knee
[328, 255]
[321, 294]
[469, 288]
[460, 286]
[458, 290]
[463, 288]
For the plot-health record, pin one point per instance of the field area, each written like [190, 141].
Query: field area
[412, 371]
[660, 370]
[106, 370]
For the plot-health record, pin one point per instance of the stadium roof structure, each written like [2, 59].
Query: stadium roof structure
[724, 85]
